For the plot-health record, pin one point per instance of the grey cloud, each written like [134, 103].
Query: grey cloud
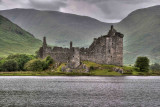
[119, 9]
[104, 10]
[51, 5]
[134, 1]
[124, 1]
[1, 2]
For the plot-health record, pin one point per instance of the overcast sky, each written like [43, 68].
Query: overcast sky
[103, 10]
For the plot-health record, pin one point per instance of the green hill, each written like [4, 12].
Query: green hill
[14, 39]
[142, 34]
[141, 29]
[59, 28]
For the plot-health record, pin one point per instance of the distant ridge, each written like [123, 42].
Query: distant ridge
[141, 29]
[142, 34]
[59, 28]
[14, 39]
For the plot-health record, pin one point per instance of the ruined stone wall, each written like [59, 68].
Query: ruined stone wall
[107, 49]
[115, 50]
[60, 54]
[74, 59]
[118, 49]
[96, 51]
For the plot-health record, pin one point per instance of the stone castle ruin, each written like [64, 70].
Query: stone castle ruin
[107, 49]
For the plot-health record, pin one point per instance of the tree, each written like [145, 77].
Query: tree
[142, 63]
[155, 67]
[21, 59]
[10, 65]
[34, 65]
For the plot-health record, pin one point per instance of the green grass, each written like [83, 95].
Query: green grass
[42, 73]
[93, 73]
[89, 64]
[105, 72]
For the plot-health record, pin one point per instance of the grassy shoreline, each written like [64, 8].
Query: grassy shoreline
[48, 73]
[94, 70]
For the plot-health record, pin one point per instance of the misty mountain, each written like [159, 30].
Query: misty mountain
[59, 28]
[142, 34]
[141, 29]
[14, 39]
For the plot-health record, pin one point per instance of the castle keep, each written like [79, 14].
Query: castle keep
[107, 49]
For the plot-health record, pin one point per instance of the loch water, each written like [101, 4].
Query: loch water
[79, 91]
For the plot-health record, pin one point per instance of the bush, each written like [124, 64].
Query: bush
[44, 65]
[34, 65]
[142, 63]
[49, 60]
[10, 65]
[155, 67]
[93, 68]
[1, 67]
[21, 59]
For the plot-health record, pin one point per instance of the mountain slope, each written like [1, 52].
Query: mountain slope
[142, 34]
[141, 29]
[59, 28]
[14, 39]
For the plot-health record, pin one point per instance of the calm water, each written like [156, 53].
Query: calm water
[128, 91]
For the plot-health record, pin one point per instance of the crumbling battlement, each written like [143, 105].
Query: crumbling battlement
[107, 49]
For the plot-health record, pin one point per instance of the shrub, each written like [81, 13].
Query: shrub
[93, 68]
[155, 67]
[10, 65]
[34, 65]
[49, 60]
[142, 63]
[1, 67]
[44, 65]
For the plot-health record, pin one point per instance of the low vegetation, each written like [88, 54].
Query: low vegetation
[23, 62]
[29, 65]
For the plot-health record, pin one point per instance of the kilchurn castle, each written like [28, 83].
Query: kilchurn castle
[107, 49]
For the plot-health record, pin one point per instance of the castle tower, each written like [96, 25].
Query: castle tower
[112, 31]
[44, 42]
[71, 45]
[74, 60]
[111, 27]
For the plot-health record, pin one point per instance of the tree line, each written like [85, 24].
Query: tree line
[23, 62]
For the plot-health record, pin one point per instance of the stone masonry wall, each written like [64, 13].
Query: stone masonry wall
[107, 49]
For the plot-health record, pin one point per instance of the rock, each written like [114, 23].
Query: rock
[117, 69]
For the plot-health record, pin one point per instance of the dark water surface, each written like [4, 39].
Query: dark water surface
[127, 91]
